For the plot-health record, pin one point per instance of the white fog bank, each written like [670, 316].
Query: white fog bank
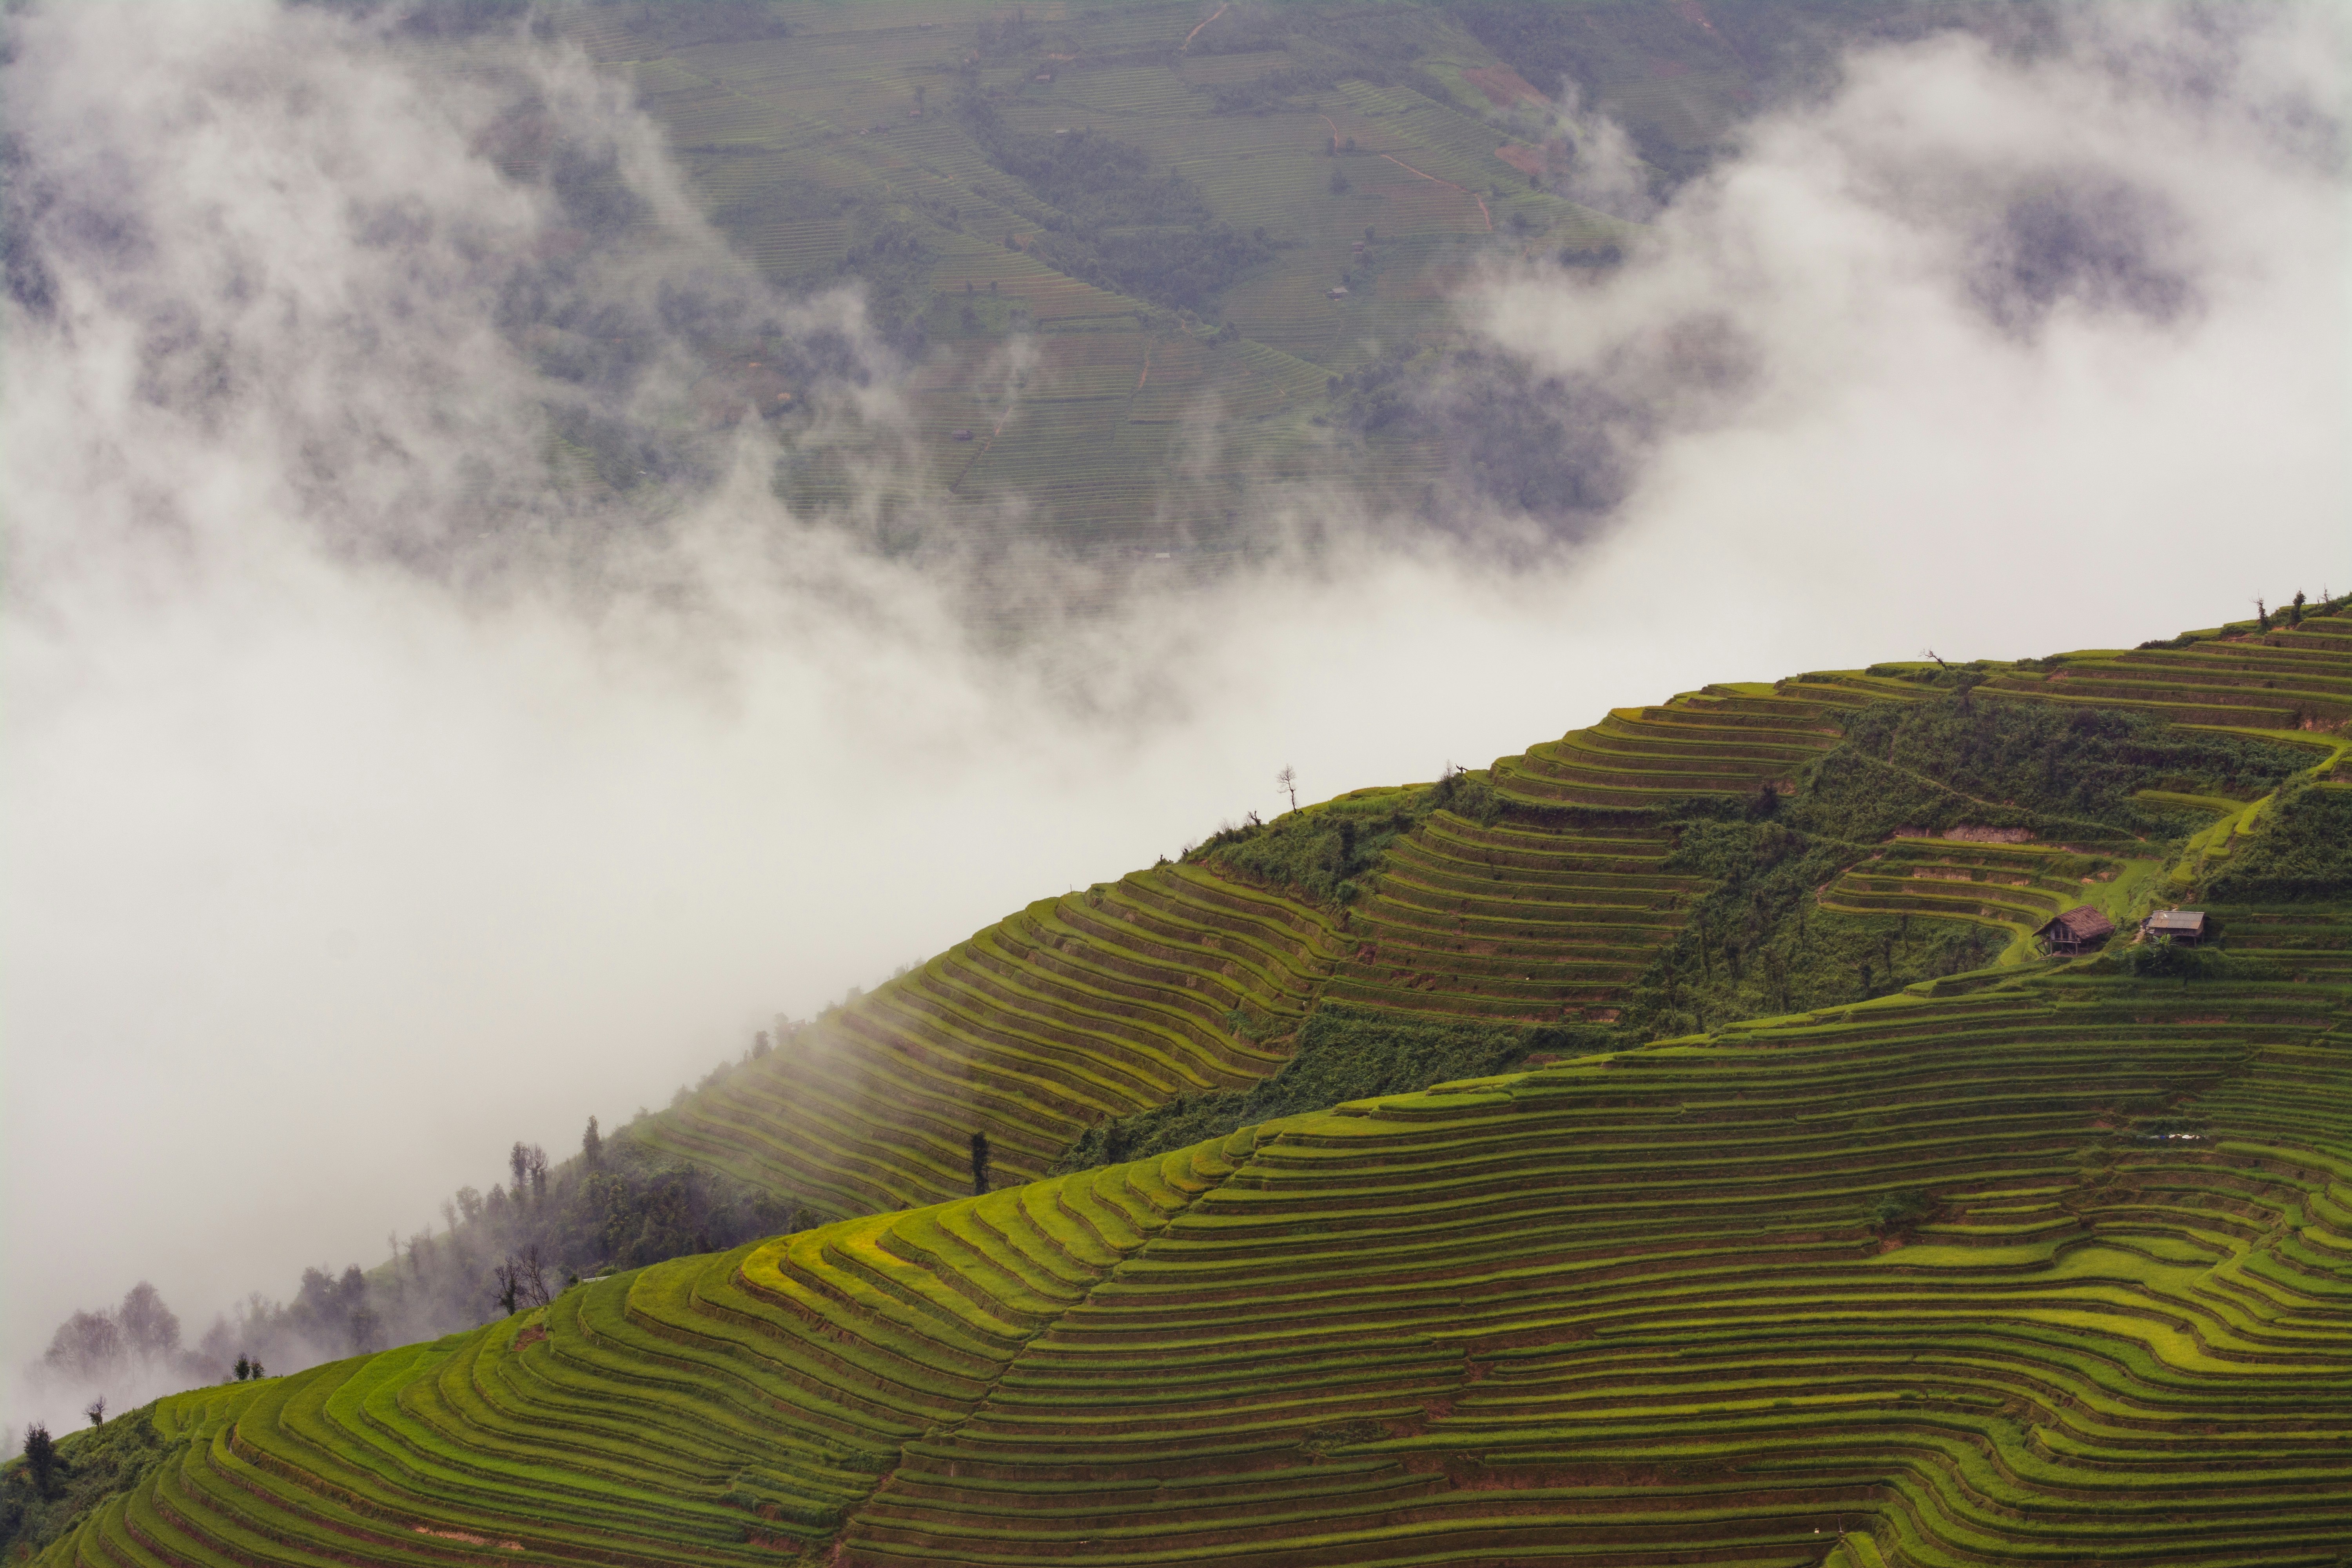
[323, 877]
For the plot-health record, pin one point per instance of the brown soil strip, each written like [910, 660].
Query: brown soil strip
[985, 446]
[1196, 32]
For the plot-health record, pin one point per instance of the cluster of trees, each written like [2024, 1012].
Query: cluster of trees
[2290, 617]
[1116, 222]
[2071, 768]
[1758, 942]
[140, 1336]
[129, 1353]
[2304, 850]
[618, 1205]
[1000, 37]
[1556, 449]
[891, 259]
[1343, 1053]
[61, 1477]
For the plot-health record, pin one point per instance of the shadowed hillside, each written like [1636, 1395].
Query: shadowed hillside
[1143, 261]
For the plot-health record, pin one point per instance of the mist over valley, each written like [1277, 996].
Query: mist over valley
[904, 602]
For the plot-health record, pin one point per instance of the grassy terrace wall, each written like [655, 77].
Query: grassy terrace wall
[2055, 1272]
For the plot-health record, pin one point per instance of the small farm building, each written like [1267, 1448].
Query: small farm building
[2079, 930]
[963, 434]
[2176, 925]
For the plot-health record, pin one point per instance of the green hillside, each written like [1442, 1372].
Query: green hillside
[1555, 889]
[2026, 1261]
[1129, 253]
[1159, 203]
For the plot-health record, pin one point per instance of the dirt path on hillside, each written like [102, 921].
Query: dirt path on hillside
[1465, 190]
[1409, 169]
[1196, 32]
[962, 472]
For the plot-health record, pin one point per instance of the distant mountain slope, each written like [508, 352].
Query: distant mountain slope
[1547, 899]
[1181, 218]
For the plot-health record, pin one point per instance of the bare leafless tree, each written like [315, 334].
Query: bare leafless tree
[522, 1281]
[1286, 781]
[96, 1411]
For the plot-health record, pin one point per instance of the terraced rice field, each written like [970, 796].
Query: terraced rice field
[1555, 915]
[861, 102]
[1076, 1009]
[1632, 1309]
[1511, 923]
[2032, 1265]
[1551, 914]
[2015, 887]
[1724, 739]
[2283, 680]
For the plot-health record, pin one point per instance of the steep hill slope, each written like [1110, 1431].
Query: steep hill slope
[1130, 253]
[2057, 1271]
[2042, 1260]
[1539, 891]
[1181, 212]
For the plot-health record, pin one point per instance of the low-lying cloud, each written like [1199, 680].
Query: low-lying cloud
[377, 794]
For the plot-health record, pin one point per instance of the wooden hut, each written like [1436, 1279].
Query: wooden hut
[2187, 926]
[2079, 930]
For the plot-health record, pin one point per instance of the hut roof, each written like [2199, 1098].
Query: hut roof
[2081, 923]
[2176, 919]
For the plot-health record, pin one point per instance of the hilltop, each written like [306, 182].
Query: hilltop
[1784, 1203]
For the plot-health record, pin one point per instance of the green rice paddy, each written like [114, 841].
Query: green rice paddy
[2040, 1263]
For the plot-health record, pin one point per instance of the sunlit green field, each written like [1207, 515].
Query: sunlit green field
[2049, 1260]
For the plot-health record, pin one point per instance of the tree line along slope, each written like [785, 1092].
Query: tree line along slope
[2043, 1261]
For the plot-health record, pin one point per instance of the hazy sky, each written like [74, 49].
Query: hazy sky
[354, 829]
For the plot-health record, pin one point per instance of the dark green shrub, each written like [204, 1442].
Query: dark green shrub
[2302, 851]
[1344, 1053]
[1900, 1212]
[1324, 853]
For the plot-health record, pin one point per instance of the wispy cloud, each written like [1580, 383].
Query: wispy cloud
[378, 791]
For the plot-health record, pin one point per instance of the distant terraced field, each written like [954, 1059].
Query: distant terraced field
[824, 98]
